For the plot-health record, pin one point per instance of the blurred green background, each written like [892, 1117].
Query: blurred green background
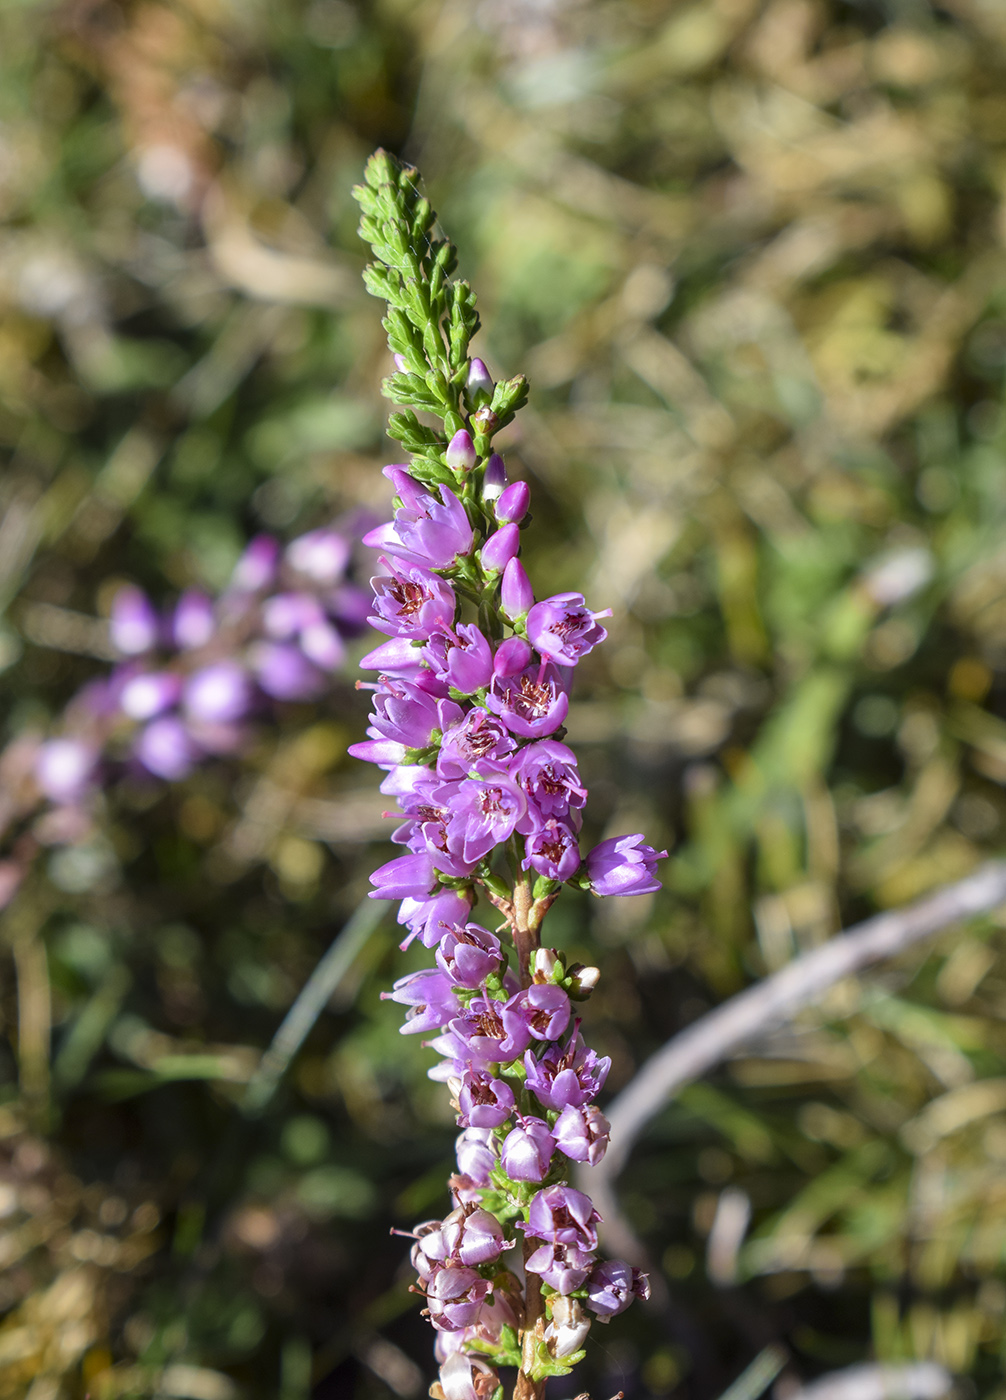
[750, 254]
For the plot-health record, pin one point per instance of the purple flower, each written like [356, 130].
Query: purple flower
[477, 1153]
[563, 628]
[461, 455]
[532, 703]
[623, 865]
[513, 503]
[455, 1296]
[542, 1009]
[63, 768]
[396, 657]
[562, 1266]
[193, 623]
[429, 919]
[516, 593]
[217, 694]
[405, 713]
[150, 693]
[384, 752]
[527, 1150]
[321, 555]
[430, 998]
[462, 658]
[284, 672]
[429, 1250]
[256, 569]
[482, 1029]
[133, 624]
[484, 1101]
[563, 1215]
[570, 1074]
[406, 876]
[484, 813]
[582, 1133]
[548, 773]
[426, 805]
[479, 738]
[499, 549]
[425, 531]
[468, 955]
[611, 1287]
[553, 850]
[410, 601]
[167, 749]
[473, 1236]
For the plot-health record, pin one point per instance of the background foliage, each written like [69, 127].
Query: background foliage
[750, 253]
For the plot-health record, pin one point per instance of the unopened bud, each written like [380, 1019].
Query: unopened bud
[499, 549]
[513, 503]
[485, 420]
[494, 480]
[547, 966]
[582, 981]
[512, 656]
[480, 382]
[401, 364]
[461, 452]
[516, 593]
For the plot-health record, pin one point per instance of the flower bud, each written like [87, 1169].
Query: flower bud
[511, 657]
[513, 502]
[546, 966]
[461, 452]
[499, 549]
[480, 384]
[485, 421]
[582, 981]
[494, 480]
[516, 593]
[401, 364]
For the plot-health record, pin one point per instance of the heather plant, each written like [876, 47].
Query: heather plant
[467, 723]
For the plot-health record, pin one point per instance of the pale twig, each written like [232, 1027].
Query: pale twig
[749, 1015]
[299, 1020]
[923, 1380]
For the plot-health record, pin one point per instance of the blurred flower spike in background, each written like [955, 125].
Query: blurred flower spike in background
[190, 682]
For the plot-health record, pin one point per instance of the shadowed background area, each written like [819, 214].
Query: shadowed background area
[750, 255]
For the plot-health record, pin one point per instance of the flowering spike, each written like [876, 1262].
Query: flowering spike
[465, 719]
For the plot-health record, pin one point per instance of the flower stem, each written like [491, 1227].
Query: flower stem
[534, 1328]
[525, 934]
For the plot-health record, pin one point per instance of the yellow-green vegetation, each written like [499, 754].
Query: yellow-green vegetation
[750, 254]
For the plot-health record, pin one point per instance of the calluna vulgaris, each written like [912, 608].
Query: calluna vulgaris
[472, 691]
